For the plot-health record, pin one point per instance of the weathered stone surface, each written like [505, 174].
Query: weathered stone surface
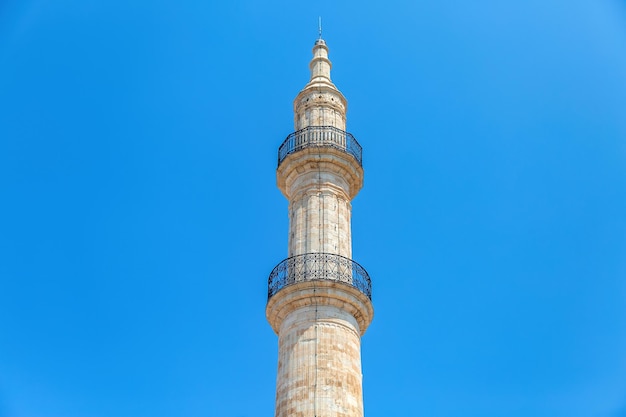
[319, 322]
[319, 368]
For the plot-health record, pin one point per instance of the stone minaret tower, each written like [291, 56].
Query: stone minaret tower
[319, 299]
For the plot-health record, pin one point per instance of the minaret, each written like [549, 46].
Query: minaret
[319, 299]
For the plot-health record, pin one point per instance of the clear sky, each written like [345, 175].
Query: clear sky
[140, 216]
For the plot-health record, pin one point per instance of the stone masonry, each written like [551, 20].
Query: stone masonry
[319, 318]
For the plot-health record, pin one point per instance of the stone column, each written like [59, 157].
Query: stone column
[319, 324]
[317, 306]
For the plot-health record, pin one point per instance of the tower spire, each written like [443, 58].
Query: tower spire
[320, 103]
[320, 65]
[319, 27]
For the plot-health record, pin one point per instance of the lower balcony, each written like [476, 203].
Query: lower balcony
[319, 266]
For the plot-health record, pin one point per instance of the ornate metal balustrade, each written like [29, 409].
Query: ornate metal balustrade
[319, 266]
[320, 136]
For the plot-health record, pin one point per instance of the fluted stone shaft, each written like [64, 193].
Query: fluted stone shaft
[319, 322]
[319, 326]
[321, 346]
[319, 218]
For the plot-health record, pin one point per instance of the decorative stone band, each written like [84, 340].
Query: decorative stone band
[320, 136]
[319, 266]
[317, 294]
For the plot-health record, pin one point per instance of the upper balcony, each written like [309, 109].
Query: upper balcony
[320, 137]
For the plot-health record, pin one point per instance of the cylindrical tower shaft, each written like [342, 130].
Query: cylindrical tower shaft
[319, 217]
[319, 300]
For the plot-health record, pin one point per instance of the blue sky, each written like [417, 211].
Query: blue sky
[140, 217]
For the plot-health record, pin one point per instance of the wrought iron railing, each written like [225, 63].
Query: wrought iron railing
[319, 266]
[320, 136]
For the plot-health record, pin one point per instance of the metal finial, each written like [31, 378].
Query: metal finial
[319, 26]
